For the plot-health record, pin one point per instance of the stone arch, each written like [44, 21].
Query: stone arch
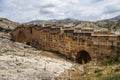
[21, 36]
[83, 56]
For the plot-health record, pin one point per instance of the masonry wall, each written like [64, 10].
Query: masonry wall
[68, 44]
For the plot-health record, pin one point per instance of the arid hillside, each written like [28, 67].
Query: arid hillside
[7, 25]
[113, 23]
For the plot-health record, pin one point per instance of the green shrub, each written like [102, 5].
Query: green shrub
[109, 60]
[98, 72]
[5, 30]
[108, 77]
[111, 77]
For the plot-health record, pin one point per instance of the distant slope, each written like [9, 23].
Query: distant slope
[113, 23]
[110, 23]
[117, 17]
[7, 24]
[55, 21]
[36, 21]
[68, 21]
[88, 24]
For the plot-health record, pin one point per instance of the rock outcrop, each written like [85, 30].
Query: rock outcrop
[19, 61]
[7, 25]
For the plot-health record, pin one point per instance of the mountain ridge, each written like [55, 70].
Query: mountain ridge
[106, 23]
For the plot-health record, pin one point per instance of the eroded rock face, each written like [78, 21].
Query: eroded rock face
[69, 41]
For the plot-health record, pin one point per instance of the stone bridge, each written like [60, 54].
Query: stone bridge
[75, 43]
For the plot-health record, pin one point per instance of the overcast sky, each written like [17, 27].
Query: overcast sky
[27, 10]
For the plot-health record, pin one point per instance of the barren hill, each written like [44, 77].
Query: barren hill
[110, 23]
[6, 24]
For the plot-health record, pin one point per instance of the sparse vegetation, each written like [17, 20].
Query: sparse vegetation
[109, 60]
[106, 77]
[8, 30]
[90, 71]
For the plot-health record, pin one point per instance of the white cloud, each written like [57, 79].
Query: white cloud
[27, 10]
